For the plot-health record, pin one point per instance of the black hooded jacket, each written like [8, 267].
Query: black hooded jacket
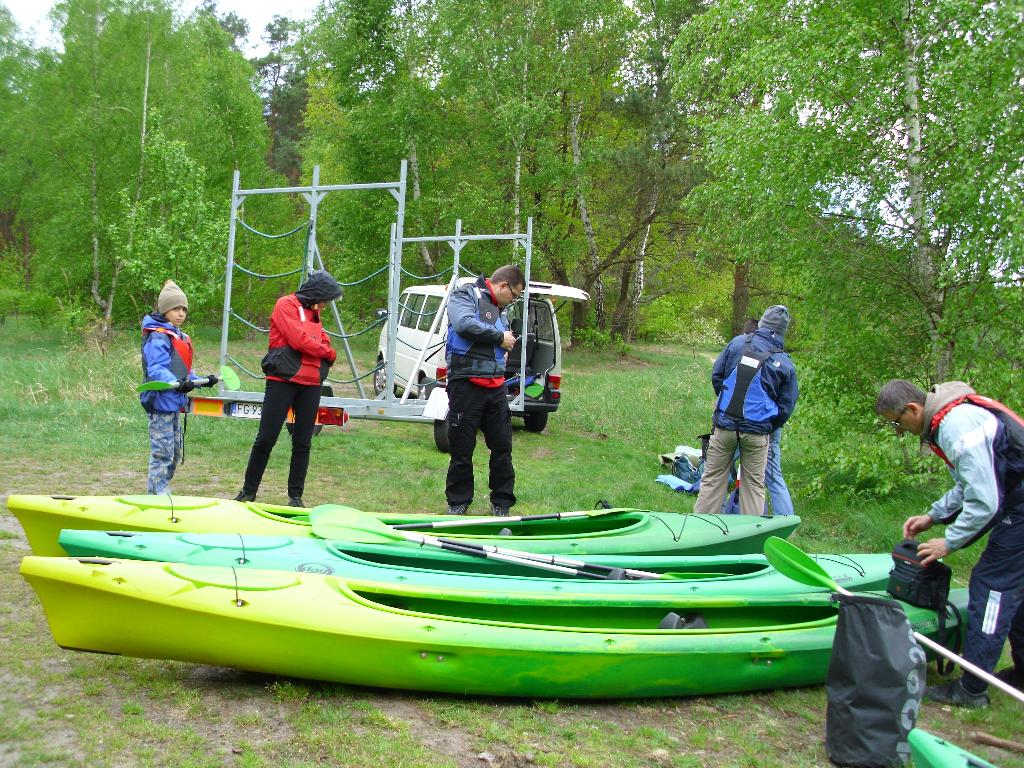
[318, 287]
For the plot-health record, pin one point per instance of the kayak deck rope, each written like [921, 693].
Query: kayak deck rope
[170, 500]
[842, 560]
[719, 524]
[239, 602]
[242, 560]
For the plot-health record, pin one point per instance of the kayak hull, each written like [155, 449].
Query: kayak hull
[614, 532]
[326, 628]
[930, 751]
[428, 566]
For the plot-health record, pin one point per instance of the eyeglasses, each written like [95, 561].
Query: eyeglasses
[515, 296]
[896, 424]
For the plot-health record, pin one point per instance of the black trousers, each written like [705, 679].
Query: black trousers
[304, 399]
[471, 408]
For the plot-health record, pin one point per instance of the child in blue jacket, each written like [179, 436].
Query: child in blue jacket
[166, 356]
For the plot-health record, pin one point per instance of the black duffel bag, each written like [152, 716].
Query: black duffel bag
[875, 681]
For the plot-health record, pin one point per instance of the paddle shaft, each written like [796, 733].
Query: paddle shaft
[479, 551]
[631, 573]
[964, 663]
[488, 520]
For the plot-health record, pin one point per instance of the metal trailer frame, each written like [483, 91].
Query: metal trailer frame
[386, 405]
[457, 242]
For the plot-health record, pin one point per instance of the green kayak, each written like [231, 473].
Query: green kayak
[438, 639]
[930, 751]
[404, 563]
[617, 531]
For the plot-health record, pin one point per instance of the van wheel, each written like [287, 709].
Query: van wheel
[441, 435]
[325, 391]
[535, 421]
[380, 377]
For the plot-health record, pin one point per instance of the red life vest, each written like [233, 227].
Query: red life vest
[993, 406]
[181, 351]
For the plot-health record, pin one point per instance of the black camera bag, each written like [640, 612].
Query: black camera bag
[911, 582]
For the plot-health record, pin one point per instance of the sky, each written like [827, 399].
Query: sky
[30, 16]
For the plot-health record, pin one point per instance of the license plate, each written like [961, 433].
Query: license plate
[247, 410]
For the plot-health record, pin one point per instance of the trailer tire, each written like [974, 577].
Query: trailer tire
[441, 435]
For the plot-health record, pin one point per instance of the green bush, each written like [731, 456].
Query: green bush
[595, 338]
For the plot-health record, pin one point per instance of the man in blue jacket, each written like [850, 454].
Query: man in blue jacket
[478, 341]
[755, 381]
[982, 442]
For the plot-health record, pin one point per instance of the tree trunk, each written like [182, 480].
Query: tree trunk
[414, 169]
[588, 228]
[93, 174]
[740, 296]
[923, 250]
[95, 235]
[639, 273]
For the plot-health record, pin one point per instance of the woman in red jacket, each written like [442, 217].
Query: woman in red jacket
[296, 365]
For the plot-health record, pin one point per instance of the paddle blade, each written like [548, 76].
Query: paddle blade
[334, 521]
[156, 386]
[794, 563]
[229, 378]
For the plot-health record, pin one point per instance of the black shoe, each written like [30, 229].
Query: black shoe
[243, 496]
[954, 693]
[499, 511]
[295, 501]
[458, 509]
[1012, 676]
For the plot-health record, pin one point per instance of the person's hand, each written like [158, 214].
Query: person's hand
[211, 380]
[932, 550]
[508, 340]
[916, 524]
[185, 385]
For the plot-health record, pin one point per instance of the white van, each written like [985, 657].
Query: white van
[418, 308]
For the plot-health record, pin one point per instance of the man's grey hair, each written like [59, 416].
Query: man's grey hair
[896, 394]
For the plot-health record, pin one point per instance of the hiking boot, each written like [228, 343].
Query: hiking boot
[295, 501]
[1012, 676]
[499, 511]
[954, 693]
[243, 496]
[458, 509]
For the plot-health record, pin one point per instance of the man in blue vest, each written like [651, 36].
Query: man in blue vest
[982, 442]
[478, 342]
[755, 381]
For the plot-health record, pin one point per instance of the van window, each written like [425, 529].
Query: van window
[411, 306]
[430, 307]
[540, 319]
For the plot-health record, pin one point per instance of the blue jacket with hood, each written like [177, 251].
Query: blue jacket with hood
[160, 362]
[475, 329]
[772, 394]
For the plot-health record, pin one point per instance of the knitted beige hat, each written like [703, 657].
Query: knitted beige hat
[171, 296]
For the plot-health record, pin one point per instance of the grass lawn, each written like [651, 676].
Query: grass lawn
[71, 424]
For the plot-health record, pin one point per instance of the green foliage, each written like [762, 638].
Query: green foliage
[903, 249]
[172, 230]
[675, 317]
[132, 87]
[595, 338]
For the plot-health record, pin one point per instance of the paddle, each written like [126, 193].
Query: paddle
[466, 521]
[227, 376]
[330, 521]
[793, 562]
[327, 525]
